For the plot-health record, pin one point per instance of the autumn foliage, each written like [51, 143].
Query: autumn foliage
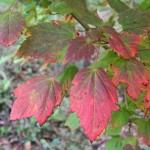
[93, 90]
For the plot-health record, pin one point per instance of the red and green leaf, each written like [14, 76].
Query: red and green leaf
[11, 26]
[93, 97]
[79, 48]
[132, 72]
[47, 41]
[125, 44]
[38, 97]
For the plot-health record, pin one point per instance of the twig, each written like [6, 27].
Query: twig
[15, 5]
[85, 26]
[146, 112]
[125, 98]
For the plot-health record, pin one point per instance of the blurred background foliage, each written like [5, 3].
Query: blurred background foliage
[61, 131]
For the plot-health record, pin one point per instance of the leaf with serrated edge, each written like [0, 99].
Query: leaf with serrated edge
[131, 72]
[125, 44]
[119, 118]
[80, 10]
[38, 97]
[11, 26]
[93, 98]
[135, 21]
[118, 5]
[47, 40]
[114, 143]
[79, 48]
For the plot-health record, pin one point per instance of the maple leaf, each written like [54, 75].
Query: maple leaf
[125, 44]
[47, 41]
[79, 48]
[135, 21]
[132, 72]
[118, 5]
[38, 97]
[93, 98]
[80, 10]
[11, 26]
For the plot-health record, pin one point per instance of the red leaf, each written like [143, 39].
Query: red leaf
[147, 99]
[36, 98]
[11, 26]
[146, 88]
[93, 98]
[95, 34]
[79, 48]
[131, 72]
[125, 44]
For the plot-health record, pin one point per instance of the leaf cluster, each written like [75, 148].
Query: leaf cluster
[67, 31]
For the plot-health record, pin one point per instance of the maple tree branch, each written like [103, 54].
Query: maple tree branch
[85, 26]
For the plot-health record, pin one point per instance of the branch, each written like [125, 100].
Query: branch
[85, 26]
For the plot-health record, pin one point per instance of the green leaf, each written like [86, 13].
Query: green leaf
[66, 76]
[72, 121]
[135, 21]
[119, 118]
[6, 58]
[106, 59]
[47, 41]
[145, 54]
[115, 143]
[7, 84]
[118, 5]
[139, 104]
[80, 10]
[60, 7]
[145, 5]
[143, 129]
[118, 143]
[144, 50]
[113, 132]
[129, 140]
[58, 116]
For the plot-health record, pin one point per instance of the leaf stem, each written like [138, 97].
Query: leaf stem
[125, 98]
[15, 5]
[85, 26]
[146, 113]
